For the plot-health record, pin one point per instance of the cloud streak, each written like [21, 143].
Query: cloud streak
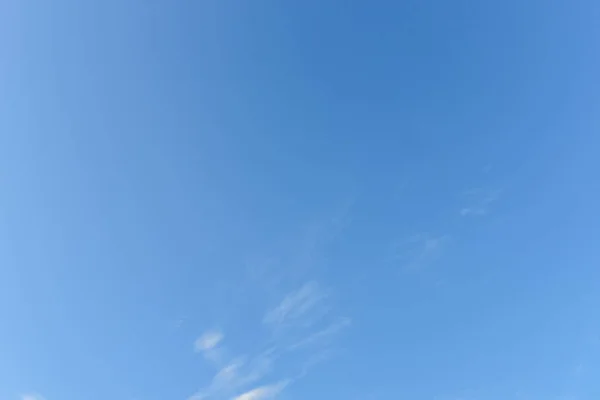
[296, 306]
[302, 334]
[32, 396]
[208, 341]
[295, 331]
[236, 375]
[419, 251]
[478, 202]
[324, 335]
[263, 392]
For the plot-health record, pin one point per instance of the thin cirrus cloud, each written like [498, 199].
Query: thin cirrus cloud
[233, 374]
[305, 319]
[303, 329]
[208, 341]
[209, 345]
[263, 392]
[32, 396]
[419, 251]
[290, 337]
[237, 376]
[241, 373]
[323, 335]
[478, 202]
[296, 305]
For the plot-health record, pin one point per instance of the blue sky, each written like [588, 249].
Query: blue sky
[321, 200]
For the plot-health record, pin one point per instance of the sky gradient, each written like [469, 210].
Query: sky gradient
[218, 200]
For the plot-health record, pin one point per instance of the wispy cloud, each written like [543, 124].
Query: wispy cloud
[263, 392]
[418, 251]
[242, 372]
[303, 326]
[197, 396]
[209, 340]
[238, 376]
[32, 396]
[303, 256]
[323, 335]
[209, 345]
[179, 322]
[234, 377]
[478, 201]
[305, 317]
[297, 305]
[295, 331]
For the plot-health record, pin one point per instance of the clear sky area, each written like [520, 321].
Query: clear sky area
[299, 200]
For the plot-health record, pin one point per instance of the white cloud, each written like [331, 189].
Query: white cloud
[31, 396]
[324, 335]
[296, 305]
[303, 316]
[236, 375]
[473, 211]
[179, 322]
[257, 368]
[197, 396]
[432, 243]
[263, 392]
[228, 372]
[208, 341]
[419, 251]
[478, 202]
